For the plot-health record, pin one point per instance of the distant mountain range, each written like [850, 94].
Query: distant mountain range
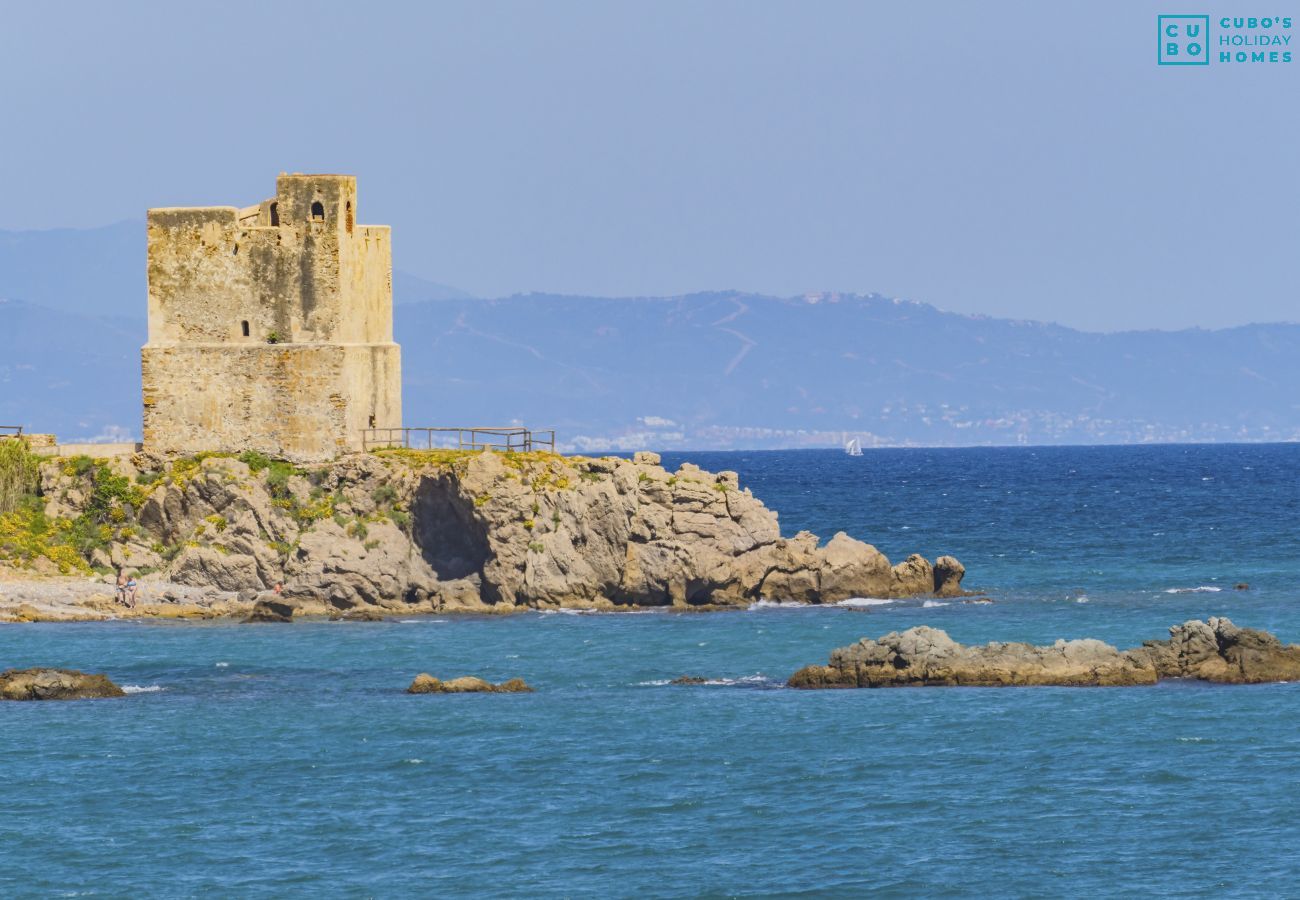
[709, 370]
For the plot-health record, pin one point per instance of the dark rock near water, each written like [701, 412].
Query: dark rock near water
[55, 684]
[468, 684]
[268, 610]
[948, 573]
[689, 679]
[1216, 651]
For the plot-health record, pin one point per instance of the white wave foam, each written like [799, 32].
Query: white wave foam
[1083, 599]
[223, 665]
[142, 689]
[414, 761]
[1203, 589]
[931, 604]
[756, 678]
[777, 604]
[863, 602]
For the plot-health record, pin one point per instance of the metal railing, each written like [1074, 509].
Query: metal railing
[11, 431]
[506, 439]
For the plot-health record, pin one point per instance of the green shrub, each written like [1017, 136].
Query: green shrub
[111, 495]
[78, 465]
[277, 478]
[255, 460]
[19, 473]
[25, 534]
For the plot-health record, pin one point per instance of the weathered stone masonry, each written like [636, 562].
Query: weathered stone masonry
[270, 327]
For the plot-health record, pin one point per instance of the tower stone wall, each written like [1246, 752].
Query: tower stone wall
[270, 327]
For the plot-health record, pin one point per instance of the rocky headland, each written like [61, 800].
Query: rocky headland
[1216, 651]
[425, 531]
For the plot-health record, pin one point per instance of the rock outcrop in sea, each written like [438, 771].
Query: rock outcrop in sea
[425, 683]
[55, 684]
[414, 531]
[1216, 651]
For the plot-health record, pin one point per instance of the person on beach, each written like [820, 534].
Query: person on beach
[279, 587]
[131, 588]
[121, 586]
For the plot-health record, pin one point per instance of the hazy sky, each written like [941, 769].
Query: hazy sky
[1015, 159]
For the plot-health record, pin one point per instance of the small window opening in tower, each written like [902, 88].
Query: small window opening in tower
[372, 421]
[317, 210]
[349, 217]
[275, 214]
[244, 326]
[236, 250]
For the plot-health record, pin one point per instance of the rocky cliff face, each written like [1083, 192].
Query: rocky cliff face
[440, 530]
[1216, 651]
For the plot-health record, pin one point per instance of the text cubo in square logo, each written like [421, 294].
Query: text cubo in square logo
[1184, 40]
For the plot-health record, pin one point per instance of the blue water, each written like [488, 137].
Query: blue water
[285, 760]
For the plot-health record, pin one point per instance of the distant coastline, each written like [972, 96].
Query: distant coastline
[715, 369]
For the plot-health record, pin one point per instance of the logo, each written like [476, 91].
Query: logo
[1184, 40]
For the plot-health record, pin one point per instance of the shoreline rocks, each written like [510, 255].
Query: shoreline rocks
[55, 684]
[425, 683]
[402, 531]
[1216, 651]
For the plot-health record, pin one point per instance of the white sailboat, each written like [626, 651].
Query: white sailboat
[853, 447]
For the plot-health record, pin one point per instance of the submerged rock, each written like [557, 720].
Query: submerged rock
[55, 684]
[689, 679]
[358, 615]
[467, 684]
[1215, 651]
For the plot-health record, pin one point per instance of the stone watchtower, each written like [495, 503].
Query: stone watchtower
[270, 327]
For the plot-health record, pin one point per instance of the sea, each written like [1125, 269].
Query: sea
[285, 760]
